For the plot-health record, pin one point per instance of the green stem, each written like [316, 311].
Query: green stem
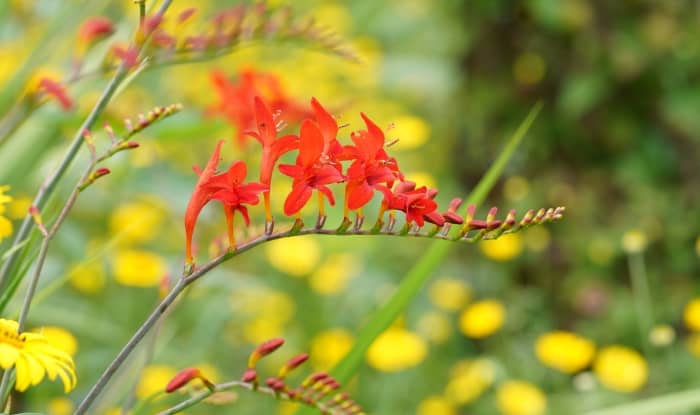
[642, 298]
[672, 403]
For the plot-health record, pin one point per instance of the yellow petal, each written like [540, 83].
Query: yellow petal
[8, 356]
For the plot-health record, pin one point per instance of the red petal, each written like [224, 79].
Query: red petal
[237, 172]
[284, 145]
[266, 124]
[359, 195]
[244, 213]
[310, 143]
[327, 175]
[327, 192]
[376, 134]
[291, 170]
[329, 127]
[297, 198]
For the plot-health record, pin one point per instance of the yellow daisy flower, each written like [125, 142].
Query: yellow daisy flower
[33, 357]
[565, 351]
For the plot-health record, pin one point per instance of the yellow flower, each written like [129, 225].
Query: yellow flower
[396, 349]
[691, 314]
[328, 347]
[137, 221]
[537, 238]
[450, 294]
[468, 380]
[422, 178]
[60, 338]
[296, 256]
[564, 351]
[138, 268]
[435, 405]
[262, 328]
[515, 188]
[5, 228]
[634, 241]
[504, 248]
[482, 319]
[60, 406]
[693, 344]
[620, 368]
[33, 357]
[411, 131]
[4, 199]
[662, 335]
[334, 273]
[517, 397]
[435, 327]
[19, 207]
[153, 380]
[88, 278]
[697, 246]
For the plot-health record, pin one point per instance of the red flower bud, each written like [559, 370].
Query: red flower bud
[250, 375]
[264, 350]
[186, 376]
[292, 364]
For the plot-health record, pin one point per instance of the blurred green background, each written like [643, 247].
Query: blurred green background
[617, 143]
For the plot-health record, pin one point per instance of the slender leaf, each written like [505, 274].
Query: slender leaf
[672, 403]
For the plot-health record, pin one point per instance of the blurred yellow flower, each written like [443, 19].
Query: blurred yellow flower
[517, 397]
[411, 131]
[60, 406]
[333, 274]
[153, 380]
[435, 327]
[504, 248]
[435, 405]
[515, 188]
[564, 351]
[288, 408]
[19, 207]
[692, 342]
[396, 349]
[88, 278]
[537, 238]
[33, 357]
[5, 228]
[468, 380]
[697, 246]
[138, 268]
[450, 294]
[60, 338]
[529, 68]
[634, 241]
[262, 328]
[691, 314]
[274, 305]
[137, 221]
[482, 319]
[328, 347]
[332, 14]
[662, 335]
[620, 368]
[422, 178]
[297, 256]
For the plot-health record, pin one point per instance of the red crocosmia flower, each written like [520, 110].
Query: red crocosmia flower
[201, 195]
[92, 30]
[372, 168]
[230, 190]
[417, 204]
[310, 172]
[332, 149]
[129, 56]
[56, 90]
[235, 99]
[273, 147]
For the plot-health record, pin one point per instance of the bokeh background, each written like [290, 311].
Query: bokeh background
[617, 143]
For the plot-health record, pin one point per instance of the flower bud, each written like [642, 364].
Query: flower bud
[292, 364]
[263, 350]
[184, 377]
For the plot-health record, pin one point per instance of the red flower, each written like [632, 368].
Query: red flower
[273, 147]
[372, 168]
[417, 204]
[200, 197]
[310, 171]
[92, 30]
[228, 188]
[235, 99]
[56, 90]
[332, 149]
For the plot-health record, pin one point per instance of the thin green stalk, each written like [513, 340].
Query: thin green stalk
[426, 265]
[642, 297]
[672, 403]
